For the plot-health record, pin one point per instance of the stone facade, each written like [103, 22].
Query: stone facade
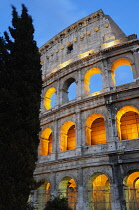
[92, 45]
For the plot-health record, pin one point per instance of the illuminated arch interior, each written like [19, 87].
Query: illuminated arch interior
[67, 136]
[99, 191]
[67, 188]
[90, 83]
[44, 194]
[49, 95]
[131, 183]
[122, 72]
[46, 142]
[127, 120]
[69, 90]
[95, 130]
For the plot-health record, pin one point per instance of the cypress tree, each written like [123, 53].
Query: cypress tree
[21, 94]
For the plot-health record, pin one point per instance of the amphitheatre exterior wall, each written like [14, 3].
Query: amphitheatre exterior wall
[92, 43]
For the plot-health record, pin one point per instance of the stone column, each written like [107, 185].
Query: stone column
[111, 130]
[117, 191]
[33, 199]
[55, 138]
[54, 191]
[58, 92]
[79, 86]
[107, 76]
[78, 133]
[136, 62]
[80, 193]
[88, 136]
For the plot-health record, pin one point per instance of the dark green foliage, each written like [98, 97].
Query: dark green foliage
[57, 204]
[20, 93]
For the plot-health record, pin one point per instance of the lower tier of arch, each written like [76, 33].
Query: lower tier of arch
[102, 182]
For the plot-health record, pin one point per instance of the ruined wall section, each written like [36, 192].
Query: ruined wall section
[85, 35]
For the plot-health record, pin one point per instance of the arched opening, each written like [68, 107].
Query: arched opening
[46, 142]
[50, 98]
[53, 100]
[122, 72]
[93, 81]
[72, 91]
[67, 188]
[131, 190]
[67, 136]
[95, 130]
[43, 194]
[127, 119]
[69, 90]
[99, 192]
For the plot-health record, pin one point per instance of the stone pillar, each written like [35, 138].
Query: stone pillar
[88, 136]
[111, 129]
[79, 140]
[34, 200]
[58, 94]
[107, 76]
[117, 191]
[80, 193]
[63, 141]
[54, 191]
[55, 138]
[79, 86]
[136, 61]
[115, 201]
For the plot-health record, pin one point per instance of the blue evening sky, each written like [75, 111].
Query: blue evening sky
[52, 16]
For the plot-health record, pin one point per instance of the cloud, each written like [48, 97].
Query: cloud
[67, 4]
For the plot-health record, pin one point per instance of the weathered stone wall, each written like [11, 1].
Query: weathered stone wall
[102, 43]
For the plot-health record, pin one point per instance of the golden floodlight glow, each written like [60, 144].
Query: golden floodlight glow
[100, 180]
[45, 187]
[95, 130]
[110, 44]
[100, 195]
[131, 183]
[131, 179]
[87, 77]
[116, 64]
[67, 136]
[125, 109]
[96, 93]
[67, 188]
[65, 63]
[48, 96]
[46, 142]
[119, 115]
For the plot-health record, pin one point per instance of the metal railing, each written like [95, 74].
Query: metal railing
[71, 194]
[99, 199]
[42, 197]
[131, 198]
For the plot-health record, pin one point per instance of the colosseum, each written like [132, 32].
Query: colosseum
[89, 139]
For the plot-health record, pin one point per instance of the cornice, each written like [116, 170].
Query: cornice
[94, 57]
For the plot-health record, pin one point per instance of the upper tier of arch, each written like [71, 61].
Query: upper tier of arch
[79, 39]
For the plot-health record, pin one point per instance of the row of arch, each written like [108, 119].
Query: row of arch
[121, 73]
[127, 120]
[98, 191]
